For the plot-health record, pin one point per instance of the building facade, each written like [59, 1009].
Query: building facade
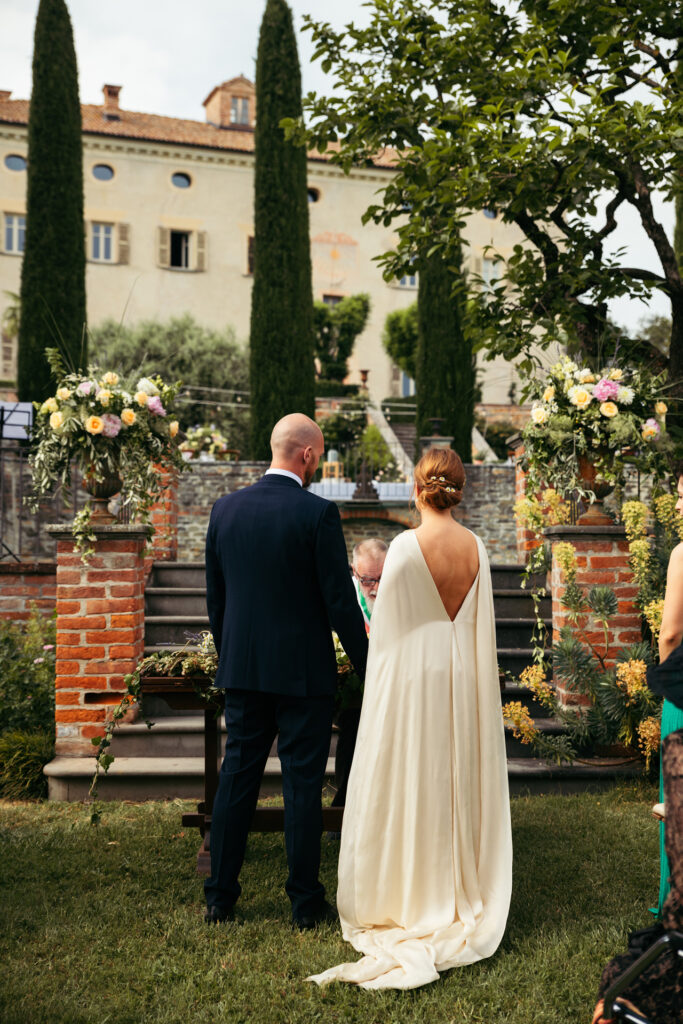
[169, 227]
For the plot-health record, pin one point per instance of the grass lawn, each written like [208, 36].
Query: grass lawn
[103, 924]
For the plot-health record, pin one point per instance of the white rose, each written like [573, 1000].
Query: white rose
[539, 415]
[146, 385]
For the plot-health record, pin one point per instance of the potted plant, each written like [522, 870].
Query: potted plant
[586, 426]
[117, 432]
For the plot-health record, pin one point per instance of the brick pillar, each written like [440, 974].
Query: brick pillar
[100, 627]
[602, 558]
[164, 519]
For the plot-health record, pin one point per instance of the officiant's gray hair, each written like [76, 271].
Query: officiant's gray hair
[373, 547]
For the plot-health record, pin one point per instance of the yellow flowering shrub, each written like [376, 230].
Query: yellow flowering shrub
[653, 616]
[533, 677]
[517, 716]
[634, 517]
[565, 555]
[649, 737]
[631, 679]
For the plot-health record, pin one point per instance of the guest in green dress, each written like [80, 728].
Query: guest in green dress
[670, 638]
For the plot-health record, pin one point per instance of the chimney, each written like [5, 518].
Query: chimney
[110, 109]
[5, 94]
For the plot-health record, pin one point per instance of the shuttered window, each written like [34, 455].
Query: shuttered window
[181, 250]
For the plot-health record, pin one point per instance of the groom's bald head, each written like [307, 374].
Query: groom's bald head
[297, 444]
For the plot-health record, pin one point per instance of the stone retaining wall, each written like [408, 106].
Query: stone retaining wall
[23, 584]
[486, 508]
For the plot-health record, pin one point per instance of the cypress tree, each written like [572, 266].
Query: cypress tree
[445, 365]
[281, 368]
[53, 272]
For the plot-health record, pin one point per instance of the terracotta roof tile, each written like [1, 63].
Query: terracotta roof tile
[155, 128]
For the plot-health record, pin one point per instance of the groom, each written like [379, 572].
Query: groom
[277, 584]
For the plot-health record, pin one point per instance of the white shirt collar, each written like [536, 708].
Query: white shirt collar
[286, 472]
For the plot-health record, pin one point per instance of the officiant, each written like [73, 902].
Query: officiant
[366, 569]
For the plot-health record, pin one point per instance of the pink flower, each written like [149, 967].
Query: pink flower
[48, 647]
[112, 425]
[38, 661]
[605, 389]
[154, 405]
[650, 430]
[85, 387]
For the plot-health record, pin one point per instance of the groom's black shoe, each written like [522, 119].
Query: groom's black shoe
[214, 915]
[305, 922]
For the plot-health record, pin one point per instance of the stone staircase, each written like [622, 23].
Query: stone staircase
[167, 760]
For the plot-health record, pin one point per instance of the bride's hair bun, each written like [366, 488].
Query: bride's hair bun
[440, 475]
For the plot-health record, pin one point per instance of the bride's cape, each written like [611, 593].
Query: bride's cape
[425, 865]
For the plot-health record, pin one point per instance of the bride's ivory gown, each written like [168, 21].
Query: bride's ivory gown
[425, 864]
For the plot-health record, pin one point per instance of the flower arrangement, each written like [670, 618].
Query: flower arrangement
[198, 658]
[205, 439]
[611, 417]
[109, 428]
[349, 686]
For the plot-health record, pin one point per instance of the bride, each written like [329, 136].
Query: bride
[425, 863]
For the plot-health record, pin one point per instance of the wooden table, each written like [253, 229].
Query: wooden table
[180, 693]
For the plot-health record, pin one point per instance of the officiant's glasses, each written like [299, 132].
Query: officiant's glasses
[366, 581]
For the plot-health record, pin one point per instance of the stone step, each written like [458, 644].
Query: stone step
[178, 574]
[511, 660]
[173, 629]
[193, 574]
[511, 633]
[175, 601]
[184, 601]
[516, 633]
[517, 692]
[146, 778]
[183, 736]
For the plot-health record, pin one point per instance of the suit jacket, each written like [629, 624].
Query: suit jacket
[278, 582]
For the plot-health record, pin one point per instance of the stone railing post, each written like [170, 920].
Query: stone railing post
[100, 628]
[602, 557]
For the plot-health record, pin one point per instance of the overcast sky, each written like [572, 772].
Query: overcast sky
[169, 54]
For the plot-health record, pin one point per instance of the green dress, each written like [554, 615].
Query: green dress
[672, 719]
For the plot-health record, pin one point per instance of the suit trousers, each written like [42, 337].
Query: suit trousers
[303, 726]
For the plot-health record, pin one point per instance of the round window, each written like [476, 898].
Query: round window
[181, 180]
[313, 195]
[14, 162]
[103, 172]
[491, 214]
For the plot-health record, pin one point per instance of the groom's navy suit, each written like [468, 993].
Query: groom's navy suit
[277, 583]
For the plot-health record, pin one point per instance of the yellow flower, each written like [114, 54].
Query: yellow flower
[103, 397]
[56, 420]
[516, 715]
[94, 425]
[649, 431]
[141, 398]
[63, 394]
[173, 427]
[649, 738]
[539, 415]
[634, 517]
[533, 677]
[548, 394]
[110, 380]
[128, 417]
[615, 374]
[608, 409]
[49, 405]
[661, 408]
[580, 397]
[631, 679]
[653, 615]
[586, 377]
[565, 556]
